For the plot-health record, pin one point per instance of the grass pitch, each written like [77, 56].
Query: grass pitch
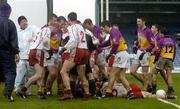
[52, 102]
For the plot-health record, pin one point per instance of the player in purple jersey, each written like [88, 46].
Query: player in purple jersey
[145, 45]
[166, 54]
[97, 62]
[156, 38]
[119, 57]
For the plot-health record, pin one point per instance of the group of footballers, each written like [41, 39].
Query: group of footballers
[82, 54]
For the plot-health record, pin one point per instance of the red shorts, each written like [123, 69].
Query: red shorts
[111, 61]
[136, 90]
[36, 57]
[65, 56]
[82, 56]
[96, 56]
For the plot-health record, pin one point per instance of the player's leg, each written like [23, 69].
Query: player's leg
[145, 76]
[81, 72]
[38, 75]
[168, 68]
[67, 66]
[122, 78]
[133, 71]
[164, 76]
[60, 86]
[51, 77]
[159, 66]
[111, 80]
[154, 73]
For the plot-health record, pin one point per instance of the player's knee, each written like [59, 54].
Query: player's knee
[63, 72]
[133, 73]
[39, 77]
[53, 74]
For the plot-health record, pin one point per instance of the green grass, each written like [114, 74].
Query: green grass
[52, 102]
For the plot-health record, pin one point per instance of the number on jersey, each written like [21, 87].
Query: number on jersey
[169, 49]
[82, 36]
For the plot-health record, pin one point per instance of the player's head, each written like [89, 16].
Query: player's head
[105, 26]
[61, 20]
[5, 9]
[72, 17]
[22, 21]
[141, 22]
[88, 24]
[163, 31]
[115, 26]
[52, 19]
[64, 27]
[155, 28]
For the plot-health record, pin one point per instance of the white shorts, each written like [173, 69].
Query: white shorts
[49, 62]
[145, 60]
[122, 60]
[101, 59]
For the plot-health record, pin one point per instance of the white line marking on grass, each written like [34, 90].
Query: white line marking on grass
[167, 102]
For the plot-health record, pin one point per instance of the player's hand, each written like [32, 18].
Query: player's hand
[107, 57]
[17, 58]
[62, 51]
[48, 54]
[141, 56]
[135, 49]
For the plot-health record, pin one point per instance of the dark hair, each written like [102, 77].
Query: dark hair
[53, 16]
[88, 21]
[20, 18]
[157, 26]
[61, 18]
[142, 18]
[106, 23]
[79, 22]
[163, 30]
[72, 16]
[5, 9]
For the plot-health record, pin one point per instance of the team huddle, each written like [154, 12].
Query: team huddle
[89, 61]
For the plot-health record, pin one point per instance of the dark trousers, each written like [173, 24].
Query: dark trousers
[8, 70]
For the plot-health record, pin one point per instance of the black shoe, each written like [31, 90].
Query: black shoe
[171, 97]
[10, 98]
[170, 92]
[149, 89]
[130, 95]
[22, 95]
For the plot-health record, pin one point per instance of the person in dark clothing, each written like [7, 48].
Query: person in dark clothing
[8, 49]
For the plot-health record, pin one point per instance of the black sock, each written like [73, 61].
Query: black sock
[73, 85]
[154, 88]
[92, 87]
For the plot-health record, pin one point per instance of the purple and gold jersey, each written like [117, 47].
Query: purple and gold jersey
[97, 32]
[167, 47]
[145, 39]
[117, 41]
[54, 41]
[155, 40]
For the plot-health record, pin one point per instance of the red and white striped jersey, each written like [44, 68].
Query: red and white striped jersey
[42, 40]
[77, 37]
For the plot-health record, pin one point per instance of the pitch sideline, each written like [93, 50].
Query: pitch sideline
[167, 102]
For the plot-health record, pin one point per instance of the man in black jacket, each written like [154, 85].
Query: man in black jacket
[8, 49]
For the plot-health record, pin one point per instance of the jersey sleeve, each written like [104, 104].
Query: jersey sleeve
[73, 38]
